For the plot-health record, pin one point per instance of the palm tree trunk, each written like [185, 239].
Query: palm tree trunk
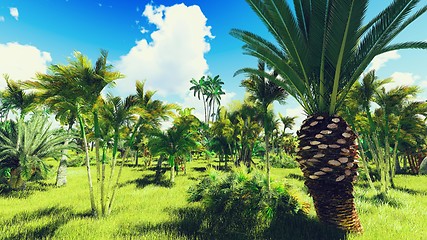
[16, 182]
[113, 162]
[89, 176]
[130, 143]
[97, 136]
[365, 167]
[61, 176]
[172, 176]
[327, 154]
[116, 186]
[103, 202]
[205, 108]
[136, 158]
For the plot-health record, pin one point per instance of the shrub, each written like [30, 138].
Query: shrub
[238, 205]
[77, 161]
[284, 161]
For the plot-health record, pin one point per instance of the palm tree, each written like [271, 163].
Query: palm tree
[366, 91]
[177, 142]
[413, 130]
[116, 112]
[214, 92]
[287, 122]
[15, 98]
[322, 47]
[264, 92]
[200, 89]
[80, 84]
[24, 146]
[50, 93]
[149, 112]
[391, 104]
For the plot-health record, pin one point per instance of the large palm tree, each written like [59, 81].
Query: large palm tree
[322, 47]
[264, 92]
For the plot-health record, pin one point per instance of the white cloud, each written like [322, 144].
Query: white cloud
[401, 79]
[380, 60]
[21, 62]
[1, 19]
[296, 112]
[14, 13]
[173, 57]
[143, 30]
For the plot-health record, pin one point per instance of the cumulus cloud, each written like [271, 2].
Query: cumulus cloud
[380, 60]
[21, 62]
[401, 79]
[174, 55]
[14, 12]
[1, 19]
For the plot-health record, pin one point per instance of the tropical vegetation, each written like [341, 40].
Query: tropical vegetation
[82, 162]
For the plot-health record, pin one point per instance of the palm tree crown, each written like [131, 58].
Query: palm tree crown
[323, 46]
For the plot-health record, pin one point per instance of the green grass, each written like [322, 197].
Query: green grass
[145, 210]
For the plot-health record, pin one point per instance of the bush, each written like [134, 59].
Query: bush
[238, 205]
[284, 161]
[77, 161]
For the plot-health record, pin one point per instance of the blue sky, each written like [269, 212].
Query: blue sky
[165, 42]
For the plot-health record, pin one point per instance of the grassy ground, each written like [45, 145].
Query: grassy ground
[145, 210]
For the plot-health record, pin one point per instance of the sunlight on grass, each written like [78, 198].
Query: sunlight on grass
[146, 210]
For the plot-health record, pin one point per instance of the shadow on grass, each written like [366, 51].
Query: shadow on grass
[199, 169]
[410, 191]
[195, 223]
[30, 188]
[382, 199]
[296, 176]
[150, 179]
[33, 225]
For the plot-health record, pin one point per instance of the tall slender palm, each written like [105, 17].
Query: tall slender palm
[80, 84]
[214, 92]
[265, 93]
[322, 47]
[200, 89]
[366, 91]
[149, 112]
[287, 122]
[391, 104]
[116, 112]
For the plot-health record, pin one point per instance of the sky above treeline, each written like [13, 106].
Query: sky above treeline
[165, 42]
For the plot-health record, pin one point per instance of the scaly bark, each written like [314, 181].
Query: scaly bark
[327, 155]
